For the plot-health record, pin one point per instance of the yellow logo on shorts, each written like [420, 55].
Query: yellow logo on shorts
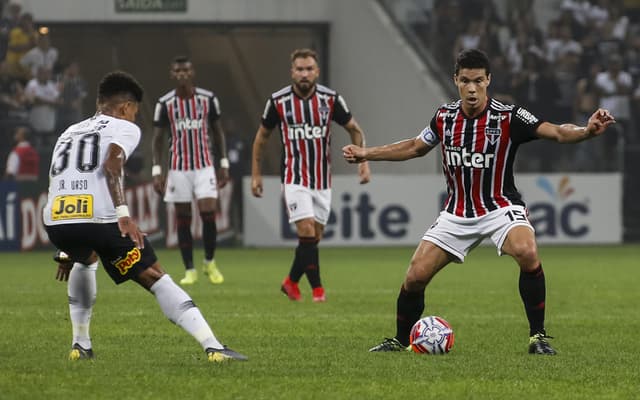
[124, 265]
[72, 207]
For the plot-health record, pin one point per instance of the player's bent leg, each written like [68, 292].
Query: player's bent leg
[180, 309]
[427, 260]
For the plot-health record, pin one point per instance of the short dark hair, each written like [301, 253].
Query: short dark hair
[472, 59]
[180, 60]
[303, 53]
[119, 83]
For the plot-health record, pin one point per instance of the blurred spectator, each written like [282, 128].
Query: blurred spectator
[7, 23]
[23, 163]
[500, 87]
[614, 86]
[73, 90]
[22, 38]
[43, 55]
[588, 156]
[12, 97]
[44, 97]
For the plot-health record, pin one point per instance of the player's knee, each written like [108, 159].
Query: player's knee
[525, 253]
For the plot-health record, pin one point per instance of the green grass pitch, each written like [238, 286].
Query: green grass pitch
[319, 351]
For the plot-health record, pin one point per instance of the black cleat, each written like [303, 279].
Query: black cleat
[224, 354]
[389, 344]
[79, 353]
[538, 345]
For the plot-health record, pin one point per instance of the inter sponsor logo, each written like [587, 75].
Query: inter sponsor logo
[72, 207]
[457, 157]
[306, 131]
[188, 123]
[125, 264]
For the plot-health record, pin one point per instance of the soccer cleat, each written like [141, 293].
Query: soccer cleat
[291, 289]
[190, 277]
[79, 353]
[318, 295]
[389, 344]
[212, 271]
[61, 257]
[539, 345]
[224, 354]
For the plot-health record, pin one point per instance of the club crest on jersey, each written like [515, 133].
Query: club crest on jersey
[324, 110]
[493, 134]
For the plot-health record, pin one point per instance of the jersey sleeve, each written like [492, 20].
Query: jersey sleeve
[341, 113]
[214, 109]
[127, 138]
[524, 125]
[160, 116]
[270, 116]
[429, 135]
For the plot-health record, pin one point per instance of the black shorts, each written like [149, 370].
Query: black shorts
[120, 257]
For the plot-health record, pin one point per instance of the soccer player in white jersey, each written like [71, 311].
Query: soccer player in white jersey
[187, 114]
[478, 137]
[86, 217]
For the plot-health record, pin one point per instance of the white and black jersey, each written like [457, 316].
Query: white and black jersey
[78, 191]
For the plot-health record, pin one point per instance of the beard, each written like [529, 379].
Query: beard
[305, 87]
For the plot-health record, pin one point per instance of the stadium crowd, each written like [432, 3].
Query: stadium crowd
[40, 91]
[587, 56]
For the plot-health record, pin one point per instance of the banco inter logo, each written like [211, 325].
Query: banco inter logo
[461, 157]
[188, 123]
[306, 131]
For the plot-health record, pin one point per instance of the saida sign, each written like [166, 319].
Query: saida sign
[123, 6]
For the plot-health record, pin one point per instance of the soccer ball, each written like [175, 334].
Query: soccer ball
[431, 335]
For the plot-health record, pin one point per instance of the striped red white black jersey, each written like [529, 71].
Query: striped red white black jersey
[478, 155]
[188, 120]
[305, 133]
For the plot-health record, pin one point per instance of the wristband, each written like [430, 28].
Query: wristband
[224, 163]
[156, 170]
[122, 211]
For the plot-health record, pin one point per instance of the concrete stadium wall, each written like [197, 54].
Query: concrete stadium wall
[386, 85]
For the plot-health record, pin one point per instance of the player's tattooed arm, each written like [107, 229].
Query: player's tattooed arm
[113, 169]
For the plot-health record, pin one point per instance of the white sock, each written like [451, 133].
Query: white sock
[82, 290]
[180, 309]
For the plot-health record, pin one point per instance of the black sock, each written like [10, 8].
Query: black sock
[209, 234]
[185, 241]
[532, 292]
[302, 258]
[409, 309]
[312, 268]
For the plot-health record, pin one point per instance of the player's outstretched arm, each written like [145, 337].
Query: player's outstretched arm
[357, 138]
[599, 121]
[256, 159]
[399, 151]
